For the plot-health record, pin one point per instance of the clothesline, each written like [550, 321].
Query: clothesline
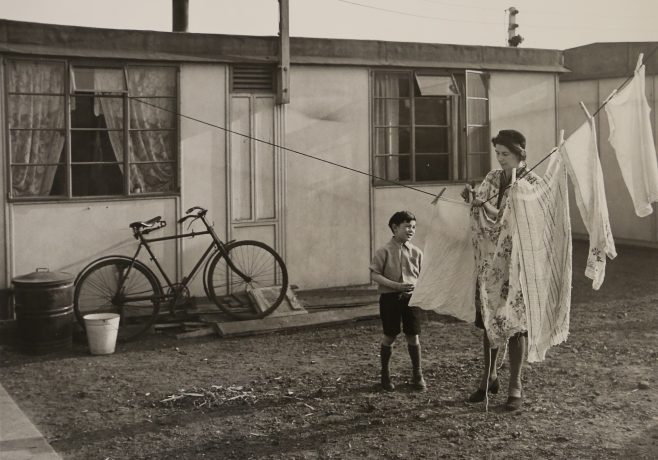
[383, 179]
[605, 102]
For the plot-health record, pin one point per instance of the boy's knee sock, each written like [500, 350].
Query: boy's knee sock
[385, 355]
[414, 354]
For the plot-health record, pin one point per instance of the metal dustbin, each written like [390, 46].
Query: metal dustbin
[43, 303]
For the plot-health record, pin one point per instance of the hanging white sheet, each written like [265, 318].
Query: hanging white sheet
[631, 136]
[447, 280]
[581, 155]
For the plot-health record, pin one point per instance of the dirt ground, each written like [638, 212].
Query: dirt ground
[313, 393]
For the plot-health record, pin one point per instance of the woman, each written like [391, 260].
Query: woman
[499, 300]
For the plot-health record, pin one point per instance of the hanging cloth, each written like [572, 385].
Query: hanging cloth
[582, 159]
[447, 280]
[541, 256]
[631, 136]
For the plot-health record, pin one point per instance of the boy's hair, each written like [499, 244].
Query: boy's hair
[399, 218]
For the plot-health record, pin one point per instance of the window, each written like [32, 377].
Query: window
[429, 127]
[81, 131]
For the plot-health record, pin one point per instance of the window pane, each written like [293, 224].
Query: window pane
[36, 147]
[151, 81]
[477, 111]
[392, 112]
[476, 84]
[392, 85]
[92, 146]
[432, 140]
[35, 77]
[97, 179]
[36, 111]
[35, 181]
[432, 111]
[148, 115]
[432, 167]
[392, 141]
[152, 146]
[478, 166]
[435, 85]
[153, 177]
[393, 167]
[97, 112]
[98, 79]
[478, 139]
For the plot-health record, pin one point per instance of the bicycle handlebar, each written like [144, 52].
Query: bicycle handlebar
[196, 208]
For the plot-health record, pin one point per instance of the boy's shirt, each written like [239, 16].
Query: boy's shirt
[397, 262]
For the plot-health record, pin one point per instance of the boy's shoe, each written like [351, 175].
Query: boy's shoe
[387, 385]
[419, 382]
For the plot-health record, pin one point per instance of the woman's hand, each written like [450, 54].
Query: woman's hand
[490, 209]
[468, 193]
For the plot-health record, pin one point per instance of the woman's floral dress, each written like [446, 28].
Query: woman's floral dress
[501, 303]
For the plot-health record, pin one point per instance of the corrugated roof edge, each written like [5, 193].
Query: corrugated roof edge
[26, 38]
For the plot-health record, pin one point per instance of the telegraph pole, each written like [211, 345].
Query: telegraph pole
[513, 39]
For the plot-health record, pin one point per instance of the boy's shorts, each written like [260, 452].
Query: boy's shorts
[393, 309]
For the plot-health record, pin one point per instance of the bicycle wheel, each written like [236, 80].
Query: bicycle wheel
[103, 287]
[258, 295]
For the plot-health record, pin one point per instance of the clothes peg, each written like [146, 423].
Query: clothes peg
[582, 106]
[513, 175]
[561, 140]
[436, 198]
[639, 62]
[607, 99]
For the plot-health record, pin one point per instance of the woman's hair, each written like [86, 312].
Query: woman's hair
[513, 140]
[400, 217]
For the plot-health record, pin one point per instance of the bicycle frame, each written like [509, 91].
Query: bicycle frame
[216, 244]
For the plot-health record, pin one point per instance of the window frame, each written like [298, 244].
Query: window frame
[457, 126]
[68, 94]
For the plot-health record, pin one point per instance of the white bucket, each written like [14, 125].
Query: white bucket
[102, 331]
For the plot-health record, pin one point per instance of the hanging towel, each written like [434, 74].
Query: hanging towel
[582, 159]
[631, 137]
[447, 280]
[541, 255]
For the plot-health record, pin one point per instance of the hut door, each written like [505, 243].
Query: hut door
[255, 169]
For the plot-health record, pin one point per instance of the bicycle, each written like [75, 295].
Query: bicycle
[245, 279]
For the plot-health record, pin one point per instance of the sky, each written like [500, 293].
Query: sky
[554, 24]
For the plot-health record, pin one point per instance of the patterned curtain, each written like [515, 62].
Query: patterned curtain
[387, 113]
[152, 143]
[36, 125]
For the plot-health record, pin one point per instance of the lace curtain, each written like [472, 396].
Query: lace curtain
[151, 144]
[36, 125]
[152, 138]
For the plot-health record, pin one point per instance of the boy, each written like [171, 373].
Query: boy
[395, 268]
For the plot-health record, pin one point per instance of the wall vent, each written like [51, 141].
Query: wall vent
[250, 78]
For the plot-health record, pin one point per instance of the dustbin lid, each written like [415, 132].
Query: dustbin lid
[43, 277]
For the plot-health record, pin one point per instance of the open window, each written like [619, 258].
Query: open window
[423, 123]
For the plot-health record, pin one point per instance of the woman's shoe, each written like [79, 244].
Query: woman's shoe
[479, 394]
[514, 403]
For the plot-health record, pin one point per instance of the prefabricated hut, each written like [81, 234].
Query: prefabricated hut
[82, 157]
